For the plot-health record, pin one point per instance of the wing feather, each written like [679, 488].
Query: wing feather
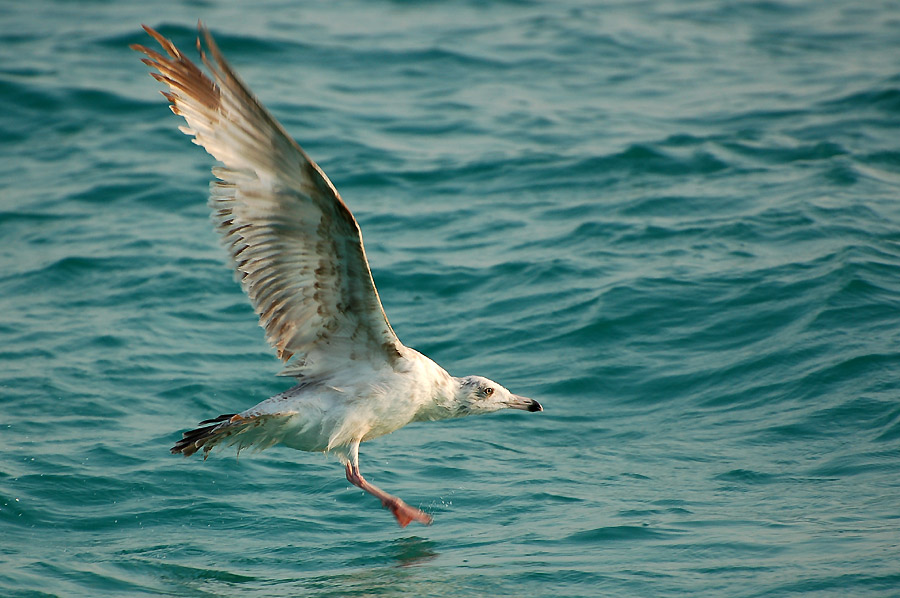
[296, 248]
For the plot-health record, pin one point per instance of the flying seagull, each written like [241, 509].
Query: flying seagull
[298, 253]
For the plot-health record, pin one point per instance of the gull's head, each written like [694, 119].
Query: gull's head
[476, 394]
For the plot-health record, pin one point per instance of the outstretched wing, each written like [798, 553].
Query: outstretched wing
[295, 246]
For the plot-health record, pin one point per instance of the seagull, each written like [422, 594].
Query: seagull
[298, 253]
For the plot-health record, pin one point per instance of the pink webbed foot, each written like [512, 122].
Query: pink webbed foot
[404, 513]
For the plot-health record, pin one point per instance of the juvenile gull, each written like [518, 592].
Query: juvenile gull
[298, 253]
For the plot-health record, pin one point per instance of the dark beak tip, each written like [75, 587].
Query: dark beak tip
[535, 406]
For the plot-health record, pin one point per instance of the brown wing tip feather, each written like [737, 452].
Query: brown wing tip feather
[187, 82]
[167, 45]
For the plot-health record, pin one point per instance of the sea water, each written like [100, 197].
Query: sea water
[675, 224]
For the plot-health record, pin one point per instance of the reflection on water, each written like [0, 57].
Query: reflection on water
[399, 578]
[412, 551]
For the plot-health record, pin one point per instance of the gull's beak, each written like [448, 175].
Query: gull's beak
[523, 403]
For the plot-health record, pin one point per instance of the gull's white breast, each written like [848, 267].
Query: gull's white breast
[332, 413]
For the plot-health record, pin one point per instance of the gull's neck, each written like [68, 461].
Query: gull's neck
[441, 396]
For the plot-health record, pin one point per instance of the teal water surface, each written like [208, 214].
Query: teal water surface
[676, 224]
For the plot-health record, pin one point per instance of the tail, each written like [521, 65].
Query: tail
[206, 436]
[258, 431]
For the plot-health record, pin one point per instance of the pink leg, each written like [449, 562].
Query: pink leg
[402, 511]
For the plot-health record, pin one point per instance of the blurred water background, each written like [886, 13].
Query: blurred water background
[676, 224]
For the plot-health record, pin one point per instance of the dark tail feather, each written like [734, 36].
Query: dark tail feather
[193, 440]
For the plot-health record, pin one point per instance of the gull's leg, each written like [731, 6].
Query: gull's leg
[402, 511]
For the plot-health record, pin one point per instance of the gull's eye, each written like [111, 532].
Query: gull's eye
[488, 391]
